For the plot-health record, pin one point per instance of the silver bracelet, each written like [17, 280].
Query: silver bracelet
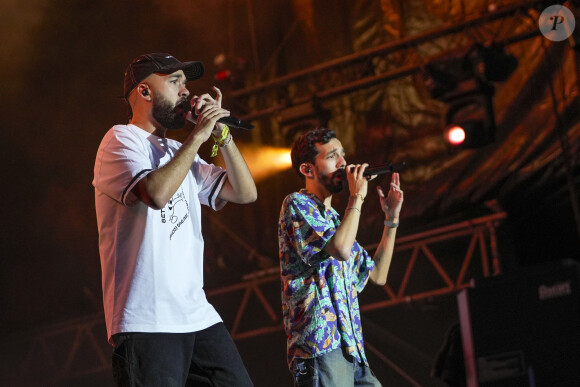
[390, 224]
[353, 208]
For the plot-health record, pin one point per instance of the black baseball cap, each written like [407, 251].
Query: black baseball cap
[147, 64]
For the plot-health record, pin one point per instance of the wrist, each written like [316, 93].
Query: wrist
[358, 196]
[226, 141]
[391, 221]
[218, 129]
[221, 140]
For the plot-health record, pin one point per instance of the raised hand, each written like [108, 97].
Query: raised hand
[207, 111]
[392, 203]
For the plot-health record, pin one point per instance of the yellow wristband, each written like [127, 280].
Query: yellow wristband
[218, 141]
[227, 141]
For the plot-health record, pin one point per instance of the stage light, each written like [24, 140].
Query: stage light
[468, 134]
[458, 69]
[265, 161]
[223, 75]
[454, 135]
[470, 119]
[464, 81]
[231, 70]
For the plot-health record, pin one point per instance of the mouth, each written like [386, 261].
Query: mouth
[339, 176]
[183, 107]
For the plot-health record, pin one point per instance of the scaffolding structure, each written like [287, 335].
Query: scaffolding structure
[303, 90]
[77, 348]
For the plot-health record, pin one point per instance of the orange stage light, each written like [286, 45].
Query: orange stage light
[265, 161]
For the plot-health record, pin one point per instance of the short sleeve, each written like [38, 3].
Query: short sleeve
[363, 264]
[122, 161]
[210, 180]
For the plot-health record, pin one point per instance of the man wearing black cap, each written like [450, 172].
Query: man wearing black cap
[148, 194]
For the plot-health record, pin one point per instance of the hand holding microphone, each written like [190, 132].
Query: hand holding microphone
[200, 102]
[357, 181]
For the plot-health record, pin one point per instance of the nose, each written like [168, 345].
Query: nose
[341, 161]
[184, 92]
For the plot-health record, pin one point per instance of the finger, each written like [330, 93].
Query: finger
[397, 190]
[206, 99]
[357, 171]
[207, 115]
[209, 109]
[189, 116]
[351, 168]
[206, 110]
[193, 102]
[380, 192]
[362, 169]
[218, 94]
[395, 178]
[215, 113]
[199, 104]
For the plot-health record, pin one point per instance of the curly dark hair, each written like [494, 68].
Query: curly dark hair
[304, 147]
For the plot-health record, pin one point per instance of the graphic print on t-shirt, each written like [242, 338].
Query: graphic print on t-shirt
[176, 211]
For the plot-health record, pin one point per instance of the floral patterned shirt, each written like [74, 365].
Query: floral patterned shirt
[319, 293]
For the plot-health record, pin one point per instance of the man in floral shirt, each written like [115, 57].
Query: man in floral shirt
[323, 268]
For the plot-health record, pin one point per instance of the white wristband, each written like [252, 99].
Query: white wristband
[390, 224]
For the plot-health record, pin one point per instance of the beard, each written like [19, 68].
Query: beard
[169, 116]
[334, 182]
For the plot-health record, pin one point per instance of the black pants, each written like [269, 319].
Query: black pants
[205, 358]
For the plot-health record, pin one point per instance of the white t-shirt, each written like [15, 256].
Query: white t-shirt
[151, 260]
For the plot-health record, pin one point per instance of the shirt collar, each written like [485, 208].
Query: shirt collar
[319, 203]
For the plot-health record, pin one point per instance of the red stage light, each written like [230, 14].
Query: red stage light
[223, 75]
[455, 135]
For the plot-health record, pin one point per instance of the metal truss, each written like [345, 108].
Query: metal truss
[60, 352]
[482, 243]
[304, 90]
[64, 352]
[481, 259]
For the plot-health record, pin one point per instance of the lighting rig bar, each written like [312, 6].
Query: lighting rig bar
[357, 71]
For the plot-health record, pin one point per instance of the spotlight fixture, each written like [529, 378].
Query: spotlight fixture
[454, 135]
[464, 81]
[470, 119]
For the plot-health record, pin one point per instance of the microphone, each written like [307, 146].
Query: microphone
[231, 122]
[382, 169]
[235, 122]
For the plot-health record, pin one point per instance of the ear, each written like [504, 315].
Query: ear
[143, 91]
[306, 169]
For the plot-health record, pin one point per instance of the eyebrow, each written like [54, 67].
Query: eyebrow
[335, 150]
